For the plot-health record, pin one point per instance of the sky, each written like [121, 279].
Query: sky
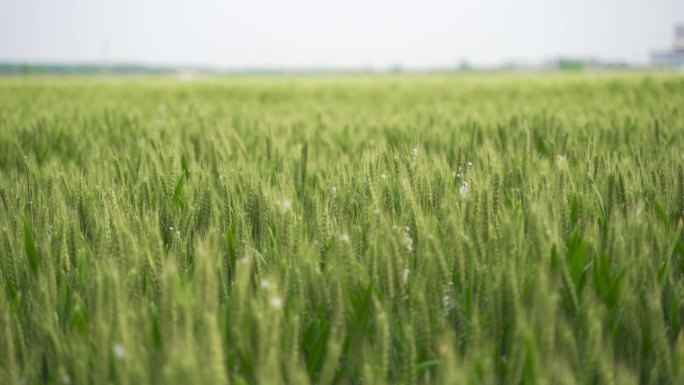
[323, 34]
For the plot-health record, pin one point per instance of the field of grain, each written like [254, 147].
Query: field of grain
[479, 229]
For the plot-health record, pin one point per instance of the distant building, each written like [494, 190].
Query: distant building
[673, 57]
[679, 38]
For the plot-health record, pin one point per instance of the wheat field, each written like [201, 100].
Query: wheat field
[470, 229]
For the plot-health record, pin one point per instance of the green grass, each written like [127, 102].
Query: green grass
[318, 230]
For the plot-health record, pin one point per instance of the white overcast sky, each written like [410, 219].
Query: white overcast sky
[321, 33]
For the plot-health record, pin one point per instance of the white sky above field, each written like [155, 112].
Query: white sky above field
[319, 33]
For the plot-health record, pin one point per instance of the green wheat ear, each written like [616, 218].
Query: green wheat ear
[680, 191]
